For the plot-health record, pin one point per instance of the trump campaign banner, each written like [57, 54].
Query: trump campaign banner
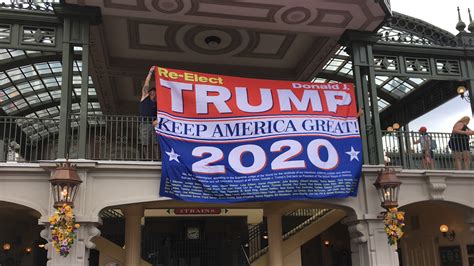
[233, 139]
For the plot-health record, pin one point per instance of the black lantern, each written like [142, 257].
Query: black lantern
[388, 186]
[65, 183]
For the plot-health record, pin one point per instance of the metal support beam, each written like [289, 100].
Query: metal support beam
[366, 91]
[374, 106]
[84, 91]
[362, 120]
[66, 91]
[76, 33]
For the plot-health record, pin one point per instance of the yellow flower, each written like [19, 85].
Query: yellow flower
[69, 214]
[400, 216]
[60, 237]
[53, 219]
[77, 226]
[67, 208]
[69, 228]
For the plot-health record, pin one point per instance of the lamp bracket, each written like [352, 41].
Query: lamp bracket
[465, 97]
[451, 235]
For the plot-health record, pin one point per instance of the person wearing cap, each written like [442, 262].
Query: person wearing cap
[459, 143]
[148, 114]
[427, 148]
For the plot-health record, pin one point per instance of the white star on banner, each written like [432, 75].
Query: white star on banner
[353, 153]
[173, 156]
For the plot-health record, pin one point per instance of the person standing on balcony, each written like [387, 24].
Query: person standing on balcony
[148, 115]
[459, 143]
[427, 148]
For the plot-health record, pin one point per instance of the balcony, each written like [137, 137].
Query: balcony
[400, 150]
[122, 138]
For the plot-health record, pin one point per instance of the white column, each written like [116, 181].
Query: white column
[275, 240]
[79, 255]
[133, 235]
[369, 244]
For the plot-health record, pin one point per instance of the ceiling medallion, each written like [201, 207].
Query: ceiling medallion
[212, 41]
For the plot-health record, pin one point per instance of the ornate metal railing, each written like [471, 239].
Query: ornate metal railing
[404, 29]
[123, 138]
[400, 150]
[28, 139]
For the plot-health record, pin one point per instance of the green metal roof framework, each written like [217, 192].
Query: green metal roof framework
[30, 81]
[30, 87]
[33, 90]
[339, 69]
[391, 89]
[399, 30]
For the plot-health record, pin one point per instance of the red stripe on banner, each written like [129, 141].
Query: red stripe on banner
[199, 95]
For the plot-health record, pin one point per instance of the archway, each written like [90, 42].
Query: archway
[20, 239]
[230, 234]
[424, 243]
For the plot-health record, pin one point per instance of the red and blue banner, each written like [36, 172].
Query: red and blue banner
[232, 139]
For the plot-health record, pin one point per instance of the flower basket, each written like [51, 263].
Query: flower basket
[63, 229]
[394, 223]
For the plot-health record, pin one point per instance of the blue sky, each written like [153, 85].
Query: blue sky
[441, 13]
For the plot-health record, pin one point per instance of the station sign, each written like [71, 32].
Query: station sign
[196, 211]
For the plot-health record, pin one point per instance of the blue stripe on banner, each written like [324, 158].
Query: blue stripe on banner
[275, 169]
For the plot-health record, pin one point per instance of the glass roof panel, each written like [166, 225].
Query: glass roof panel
[333, 64]
[36, 85]
[397, 87]
[417, 81]
[320, 80]
[382, 103]
[42, 6]
[379, 80]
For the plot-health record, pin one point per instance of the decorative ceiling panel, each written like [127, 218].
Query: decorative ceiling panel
[315, 17]
[275, 39]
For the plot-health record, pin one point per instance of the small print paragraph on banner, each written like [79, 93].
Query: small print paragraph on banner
[232, 139]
